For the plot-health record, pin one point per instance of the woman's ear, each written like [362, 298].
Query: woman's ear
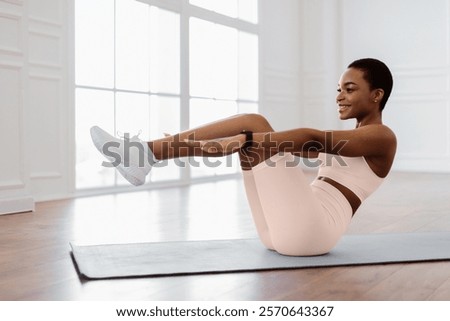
[378, 94]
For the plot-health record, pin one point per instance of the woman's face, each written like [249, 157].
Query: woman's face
[355, 99]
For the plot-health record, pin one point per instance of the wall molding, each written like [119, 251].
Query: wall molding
[16, 205]
[44, 27]
[46, 22]
[419, 69]
[419, 108]
[10, 14]
[18, 18]
[17, 2]
[56, 82]
[12, 184]
[45, 175]
[17, 182]
[421, 81]
[34, 54]
[44, 76]
[410, 98]
[11, 64]
[53, 37]
[55, 16]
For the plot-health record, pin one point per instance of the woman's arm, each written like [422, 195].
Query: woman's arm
[370, 140]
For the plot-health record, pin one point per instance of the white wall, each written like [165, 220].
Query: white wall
[412, 37]
[35, 111]
[320, 56]
[305, 45]
[280, 62]
[36, 105]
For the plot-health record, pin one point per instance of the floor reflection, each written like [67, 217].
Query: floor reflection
[199, 212]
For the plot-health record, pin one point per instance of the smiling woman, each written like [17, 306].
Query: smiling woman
[365, 84]
[292, 216]
[354, 95]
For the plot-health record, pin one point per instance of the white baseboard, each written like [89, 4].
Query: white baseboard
[16, 205]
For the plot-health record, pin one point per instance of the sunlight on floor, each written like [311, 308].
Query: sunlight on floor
[203, 211]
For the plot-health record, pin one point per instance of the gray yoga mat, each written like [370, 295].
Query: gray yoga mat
[193, 257]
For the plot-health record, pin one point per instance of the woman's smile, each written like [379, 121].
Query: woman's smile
[343, 107]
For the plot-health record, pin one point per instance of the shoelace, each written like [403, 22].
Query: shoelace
[126, 136]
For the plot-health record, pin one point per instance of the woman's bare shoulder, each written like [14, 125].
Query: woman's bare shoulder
[380, 130]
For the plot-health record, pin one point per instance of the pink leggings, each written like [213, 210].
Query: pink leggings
[293, 216]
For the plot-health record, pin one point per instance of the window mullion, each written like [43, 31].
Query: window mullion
[184, 76]
[215, 17]
[116, 178]
[186, 11]
[171, 5]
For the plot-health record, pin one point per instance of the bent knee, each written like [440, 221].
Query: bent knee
[257, 122]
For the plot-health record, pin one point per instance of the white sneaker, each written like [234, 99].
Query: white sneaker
[131, 156]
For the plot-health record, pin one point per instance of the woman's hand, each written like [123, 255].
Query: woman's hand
[225, 145]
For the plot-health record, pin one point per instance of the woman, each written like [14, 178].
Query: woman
[292, 216]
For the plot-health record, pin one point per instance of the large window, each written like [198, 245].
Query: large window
[155, 67]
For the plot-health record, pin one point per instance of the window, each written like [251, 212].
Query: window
[132, 75]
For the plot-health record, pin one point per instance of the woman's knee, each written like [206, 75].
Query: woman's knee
[256, 122]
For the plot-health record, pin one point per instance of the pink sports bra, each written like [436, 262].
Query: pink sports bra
[352, 172]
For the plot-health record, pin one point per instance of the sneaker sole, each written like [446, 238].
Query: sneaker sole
[132, 179]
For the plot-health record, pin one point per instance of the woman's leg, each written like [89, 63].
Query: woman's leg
[135, 163]
[297, 221]
[175, 146]
[256, 209]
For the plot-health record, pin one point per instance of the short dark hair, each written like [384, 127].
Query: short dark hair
[377, 74]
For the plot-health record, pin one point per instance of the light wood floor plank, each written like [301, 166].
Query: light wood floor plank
[35, 261]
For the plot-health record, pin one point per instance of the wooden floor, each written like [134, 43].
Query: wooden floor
[35, 261]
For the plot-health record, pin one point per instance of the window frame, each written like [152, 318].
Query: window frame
[185, 11]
